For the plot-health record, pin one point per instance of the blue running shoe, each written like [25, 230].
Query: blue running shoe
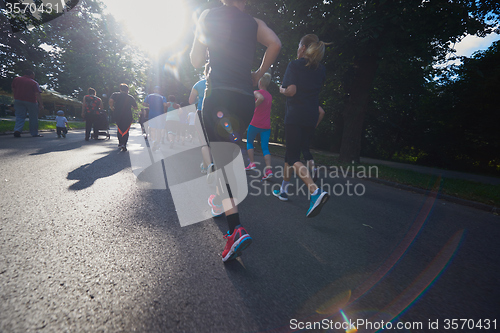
[317, 202]
[281, 195]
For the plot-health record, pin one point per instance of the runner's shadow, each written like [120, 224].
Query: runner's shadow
[105, 166]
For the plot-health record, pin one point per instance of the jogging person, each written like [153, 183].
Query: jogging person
[172, 125]
[198, 93]
[301, 85]
[157, 105]
[311, 166]
[121, 103]
[261, 124]
[230, 37]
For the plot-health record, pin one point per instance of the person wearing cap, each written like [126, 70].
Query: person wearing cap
[61, 124]
[27, 100]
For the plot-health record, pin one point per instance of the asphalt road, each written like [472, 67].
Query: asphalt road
[85, 246]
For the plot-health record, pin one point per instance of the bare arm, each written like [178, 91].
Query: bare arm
[199, 49]
[321, 115]
[112, 104]
[192, 96]
[39, 100]
[269, 39]
[289, 91]
[259, 98]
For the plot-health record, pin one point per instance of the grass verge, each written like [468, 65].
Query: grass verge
[8, 125]
[464, 189]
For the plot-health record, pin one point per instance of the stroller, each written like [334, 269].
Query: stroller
[101, 125]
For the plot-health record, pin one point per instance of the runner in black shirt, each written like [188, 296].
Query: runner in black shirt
[121, 103]
[230, 37]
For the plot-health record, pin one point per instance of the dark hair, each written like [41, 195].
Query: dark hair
[315, 49]
[92, 91]
[28, 72]
[124, 87]
[171, 98]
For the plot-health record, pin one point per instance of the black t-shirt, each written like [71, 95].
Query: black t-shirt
[123, 105]
[231, 39]
[302, 108]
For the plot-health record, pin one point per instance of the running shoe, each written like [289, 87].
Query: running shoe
[251, 166]
[281, 195]
[120, 147]
[216, 209]
[268, 174]
[236, 243]
[317, 202]
[202, 168]
[124, 148]
[210, 173]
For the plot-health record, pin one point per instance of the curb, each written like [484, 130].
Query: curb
[464, 202]
[446, 197]
[27, 132]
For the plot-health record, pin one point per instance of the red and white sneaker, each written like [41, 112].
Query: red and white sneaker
[236, 243]
[216, 209]
[268, 174]
[251, 166]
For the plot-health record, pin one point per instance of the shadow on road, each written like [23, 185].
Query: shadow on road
[105, 166]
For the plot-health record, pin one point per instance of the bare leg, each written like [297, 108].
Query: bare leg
[267, 158]
[250, 155]
[303, 173]
[207, 157]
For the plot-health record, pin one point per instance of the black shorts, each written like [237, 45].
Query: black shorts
[296, 138]
[226, 115]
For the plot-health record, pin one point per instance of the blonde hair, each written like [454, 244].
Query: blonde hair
[265, 80]
[315, 49]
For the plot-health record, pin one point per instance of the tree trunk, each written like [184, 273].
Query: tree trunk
[355, 110]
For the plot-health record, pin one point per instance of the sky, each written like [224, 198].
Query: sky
[153, 25]
[173, 16]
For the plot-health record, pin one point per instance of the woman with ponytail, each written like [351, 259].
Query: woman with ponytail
[301, 85]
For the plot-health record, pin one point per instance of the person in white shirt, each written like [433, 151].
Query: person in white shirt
[61, 124]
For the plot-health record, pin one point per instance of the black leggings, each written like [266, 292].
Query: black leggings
[226, 116]
[296, 138]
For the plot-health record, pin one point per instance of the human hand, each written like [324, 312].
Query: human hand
[256, 77]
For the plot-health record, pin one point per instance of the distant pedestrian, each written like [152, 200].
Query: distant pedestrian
[191, 132]
[27, 100]
[301, 85]
[121, 103]
[61, 124]
[157, 105]
[261, 124]
[143, 117]
[172, 125]
[198, 95]
[91, 109]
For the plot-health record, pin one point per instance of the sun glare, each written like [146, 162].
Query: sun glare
[154, 26]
